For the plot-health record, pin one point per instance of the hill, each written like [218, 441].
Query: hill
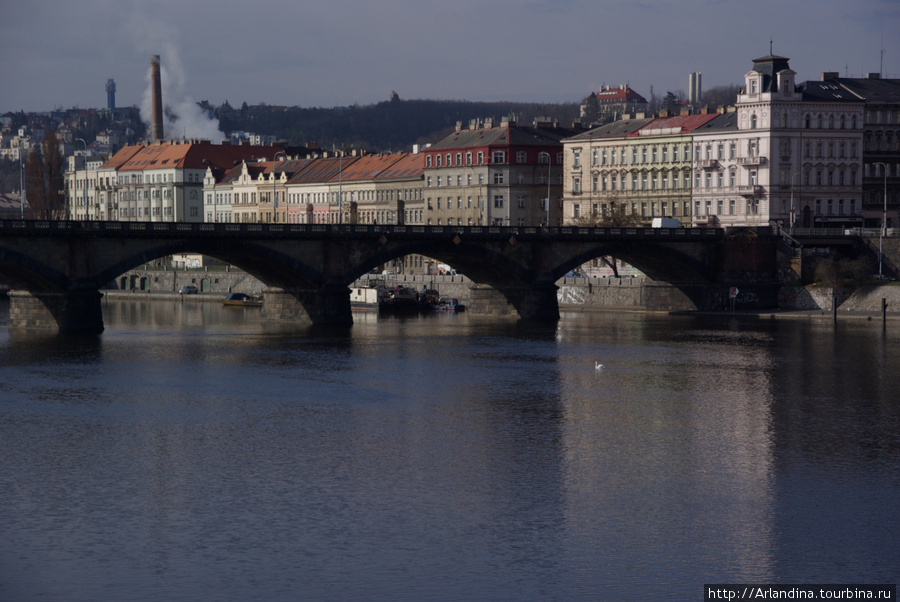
[391, 125]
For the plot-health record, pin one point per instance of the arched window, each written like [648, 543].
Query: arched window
[753, 122]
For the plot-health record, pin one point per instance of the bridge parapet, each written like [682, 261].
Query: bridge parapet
[316, 263]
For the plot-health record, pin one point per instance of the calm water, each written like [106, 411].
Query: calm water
[192, 453]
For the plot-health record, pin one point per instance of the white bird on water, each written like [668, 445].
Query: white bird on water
[598, 366]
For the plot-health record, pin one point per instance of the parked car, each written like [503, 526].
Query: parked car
[189, 290]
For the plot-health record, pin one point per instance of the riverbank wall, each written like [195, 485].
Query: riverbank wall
[573, 294]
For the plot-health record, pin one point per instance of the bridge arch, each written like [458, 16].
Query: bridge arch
[312, 265]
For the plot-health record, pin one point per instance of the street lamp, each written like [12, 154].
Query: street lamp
[84, 184]
[21, 185]
[274, 193]
[883, 222]
[792, 200]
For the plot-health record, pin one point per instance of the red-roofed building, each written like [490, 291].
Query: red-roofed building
[610, 104]
[159, 182]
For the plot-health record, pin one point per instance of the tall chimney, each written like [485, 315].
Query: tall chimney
[156, 81]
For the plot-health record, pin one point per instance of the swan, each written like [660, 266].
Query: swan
[598, 366]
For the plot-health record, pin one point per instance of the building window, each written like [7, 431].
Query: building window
[576, 158]
[576, 185]
[498, 156]
[521, 156]
[468, 158]
[498, 177]
[498, 201]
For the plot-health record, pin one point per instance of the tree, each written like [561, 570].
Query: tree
[54, 175]
[722, 96]
[614, 219]
[670, 102]
[590, 109]
[35, 188]
[45, 180]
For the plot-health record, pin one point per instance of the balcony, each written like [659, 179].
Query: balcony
[751, 161]
[708, 164]
[750, 191]
[705, 220]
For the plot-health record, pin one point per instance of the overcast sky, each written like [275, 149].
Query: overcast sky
[59, 54]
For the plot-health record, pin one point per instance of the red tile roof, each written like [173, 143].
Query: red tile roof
[192, 155]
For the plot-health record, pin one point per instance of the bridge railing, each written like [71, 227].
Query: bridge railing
[318, 230]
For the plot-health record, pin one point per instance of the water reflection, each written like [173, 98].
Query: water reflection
[193, 451]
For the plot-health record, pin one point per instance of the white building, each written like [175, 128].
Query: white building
[790, 149]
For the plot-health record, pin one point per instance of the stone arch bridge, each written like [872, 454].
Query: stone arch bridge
[55, 269]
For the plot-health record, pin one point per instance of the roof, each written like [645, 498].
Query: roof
[871, 89]
[368, 167]
[720, 123]
[828, 91]
[192, 155]
[505, 134]
[615, 129]
[769, 66]
[121, 157]
[321, 170]
[408, 166]
[676, 124]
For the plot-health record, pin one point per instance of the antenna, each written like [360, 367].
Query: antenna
[881, 64]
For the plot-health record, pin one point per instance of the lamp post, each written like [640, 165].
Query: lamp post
[340, 202]
[548, 188]
[274, 192]
[792, 201]
[21, 186]
[881, 230]
[84, 184]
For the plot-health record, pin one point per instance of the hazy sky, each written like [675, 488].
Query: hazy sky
[59, 53]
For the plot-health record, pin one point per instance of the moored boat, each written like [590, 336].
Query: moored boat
[364, 298]
[401, 299]
[242, 300]
[447, 304]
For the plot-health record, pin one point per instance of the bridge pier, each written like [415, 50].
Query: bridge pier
[529, 303]
[76, 311]
[536, 302]
[327, 305]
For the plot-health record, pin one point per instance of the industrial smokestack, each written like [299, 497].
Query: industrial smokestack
[156, 131]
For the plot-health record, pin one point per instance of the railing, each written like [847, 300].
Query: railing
[175, 229]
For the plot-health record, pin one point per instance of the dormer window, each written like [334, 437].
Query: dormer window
[753, 86]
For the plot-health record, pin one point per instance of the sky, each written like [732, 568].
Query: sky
[60, 53]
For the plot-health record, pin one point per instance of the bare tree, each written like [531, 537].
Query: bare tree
[54, 175]
[45, 180]
[614, 219]
[35, 186]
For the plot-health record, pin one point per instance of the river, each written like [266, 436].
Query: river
[192, 452]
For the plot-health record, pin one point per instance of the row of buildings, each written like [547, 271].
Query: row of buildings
[822, 153]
